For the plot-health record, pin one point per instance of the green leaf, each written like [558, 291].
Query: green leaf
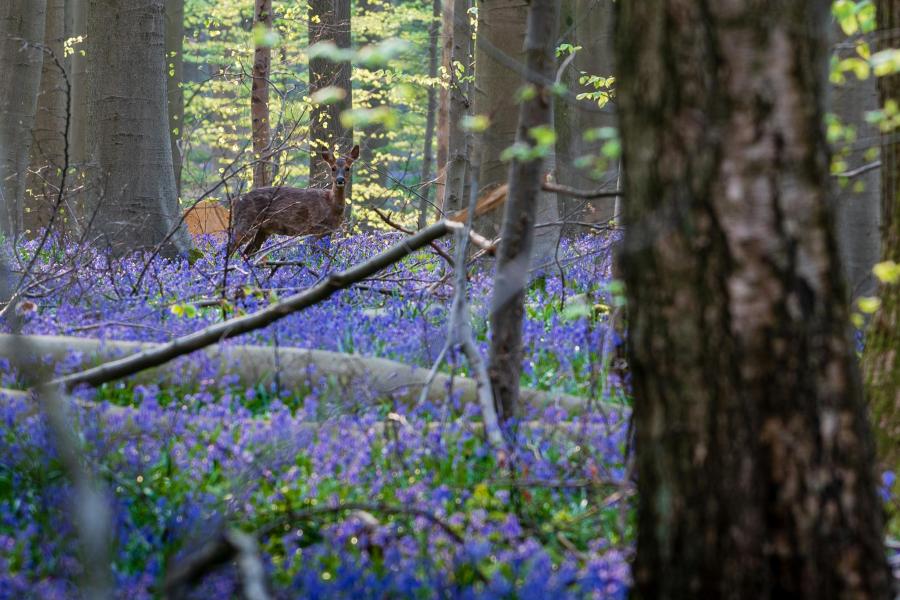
[328, 95]
[868, 304]
[263, 37]
[543, 135]
[375, 55]
[887, 271]
[329, 51]
[475, 123]
[886, 62]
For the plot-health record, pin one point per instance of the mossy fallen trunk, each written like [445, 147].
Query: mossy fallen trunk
[296, 368]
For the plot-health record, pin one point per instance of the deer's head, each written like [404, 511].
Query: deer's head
[340, 167]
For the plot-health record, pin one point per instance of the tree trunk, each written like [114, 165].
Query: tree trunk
[754, 456]
[259, 100]
[78, 10]
[443, 117]
[132, 188]
[588, 24]
[881, 358]
[858, 201]
[22, 23]
[511, 278]
[458, 146]
[501, 29]
[428, 153]
[175, 92]
[77, 13]
[49, 143]
[329, 20]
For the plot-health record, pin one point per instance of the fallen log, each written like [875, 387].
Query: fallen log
[296, 368]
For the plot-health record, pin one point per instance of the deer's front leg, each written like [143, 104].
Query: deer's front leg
[257, 241]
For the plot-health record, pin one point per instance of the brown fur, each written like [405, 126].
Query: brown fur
[283, 210]
[208, 217]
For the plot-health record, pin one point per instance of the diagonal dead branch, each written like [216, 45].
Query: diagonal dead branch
[241, 325]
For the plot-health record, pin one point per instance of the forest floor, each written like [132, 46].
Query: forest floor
[351, 492]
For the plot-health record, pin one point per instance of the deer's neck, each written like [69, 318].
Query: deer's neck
[337, 197]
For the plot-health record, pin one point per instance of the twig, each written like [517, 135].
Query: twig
[549, 186]
[459, 328]
[388, 221]
[229, 545]
[859, 170]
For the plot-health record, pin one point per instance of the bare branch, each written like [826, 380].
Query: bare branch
[549, 186]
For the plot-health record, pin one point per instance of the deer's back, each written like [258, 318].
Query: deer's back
[287, 211]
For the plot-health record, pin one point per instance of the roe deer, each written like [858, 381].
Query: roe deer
[291, 211]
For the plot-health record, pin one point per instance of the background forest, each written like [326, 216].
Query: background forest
[450, 299]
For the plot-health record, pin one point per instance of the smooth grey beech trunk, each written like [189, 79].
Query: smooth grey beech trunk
[858, 202]
[48, 150]
[22, 25]
[456, 171]
[175, 79]
[588, 24]
[501, 24]
[755, 460]
[132, 183]
[431, 114]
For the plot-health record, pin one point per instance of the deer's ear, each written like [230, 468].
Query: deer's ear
[354, 154]
[327, 156]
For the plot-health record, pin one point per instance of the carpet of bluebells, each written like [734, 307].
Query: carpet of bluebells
[180, 461]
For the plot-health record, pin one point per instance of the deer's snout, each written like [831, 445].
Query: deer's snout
[339, 180]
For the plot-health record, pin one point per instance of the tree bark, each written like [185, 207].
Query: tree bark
[501, 25]
[175, 81]
[49, 143]
[443, 116]
[132, 187]
[80, 97]
[22, 25]
[881, 357]
[458, 143]
[858, 203]
[589, 24]
[754, 455]
[259, 100]
[329, 20]
[517, 236]
[428, 152]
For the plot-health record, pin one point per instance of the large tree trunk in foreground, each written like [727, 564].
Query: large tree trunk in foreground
[511, 278]
[133, 183]
[881, 358]
[175, 92]
[21, 27]
[48, 151]
[754, 455]
[259, 100]
[329, 20]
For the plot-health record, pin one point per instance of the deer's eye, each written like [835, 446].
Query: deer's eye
[347, 169]
[333, 169]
